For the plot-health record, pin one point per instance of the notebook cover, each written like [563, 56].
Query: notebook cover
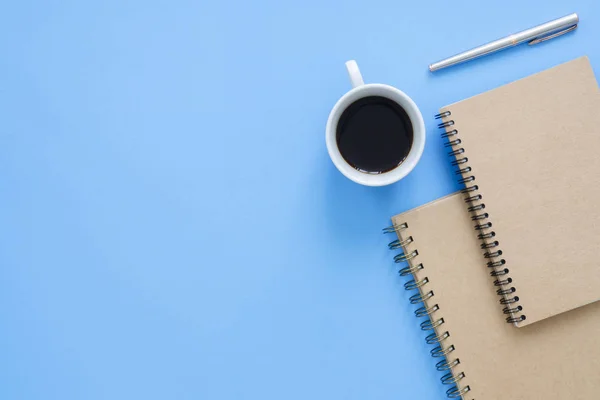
[558, 358]
[533, 148]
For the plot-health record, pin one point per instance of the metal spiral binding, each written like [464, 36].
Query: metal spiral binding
[432, 322]
[480, 217]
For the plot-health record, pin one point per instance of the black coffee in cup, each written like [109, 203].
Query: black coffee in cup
[374, 134]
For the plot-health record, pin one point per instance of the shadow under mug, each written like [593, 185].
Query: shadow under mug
[360, 90]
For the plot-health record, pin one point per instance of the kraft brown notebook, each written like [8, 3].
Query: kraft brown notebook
[529, 156]
[485, 358]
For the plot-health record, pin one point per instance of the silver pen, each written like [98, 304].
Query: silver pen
[535, 35]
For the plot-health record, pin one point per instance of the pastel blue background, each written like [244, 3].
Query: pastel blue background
[171, 226]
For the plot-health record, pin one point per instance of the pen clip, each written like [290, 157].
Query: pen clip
[552, 36]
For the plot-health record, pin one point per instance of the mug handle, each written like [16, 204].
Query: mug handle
[354, 73]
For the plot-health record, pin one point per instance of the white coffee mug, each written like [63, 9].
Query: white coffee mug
[360, 90]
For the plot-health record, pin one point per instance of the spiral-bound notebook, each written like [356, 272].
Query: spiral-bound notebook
[483, 356]
[529, 155]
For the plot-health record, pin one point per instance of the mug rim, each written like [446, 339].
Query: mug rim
[419, 136]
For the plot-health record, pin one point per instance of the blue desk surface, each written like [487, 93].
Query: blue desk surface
[171, 226]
